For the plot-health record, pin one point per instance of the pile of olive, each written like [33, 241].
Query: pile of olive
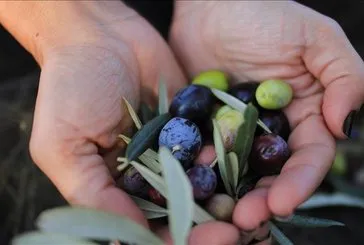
[187, 134]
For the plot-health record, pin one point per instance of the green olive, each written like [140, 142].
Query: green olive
[229, 123]
[274, 94]
[212, 79]
[339, 166]
[221, 206]
[222, 110]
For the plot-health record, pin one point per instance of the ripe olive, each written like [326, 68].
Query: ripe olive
[245, 91]
[276, 121]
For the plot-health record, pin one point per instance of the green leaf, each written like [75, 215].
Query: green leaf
[309, 222]
[199, 216]
[236, 104]
[221, 157]
[148, 206]
[279, 235]
[180, 202]
[37, 238]
[234, 163]
[245, 137]
[320, 200]
[94, 224]
[149, 157]
[145, 137]
[133, 114]
[153, 215]
[146, 114]
[163, 98]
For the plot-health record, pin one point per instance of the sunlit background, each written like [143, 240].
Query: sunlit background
[25, 191]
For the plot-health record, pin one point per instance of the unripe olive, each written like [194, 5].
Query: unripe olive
[229, 122]
[339, 165]
[220, 206]
[212, 79]
[274, 94]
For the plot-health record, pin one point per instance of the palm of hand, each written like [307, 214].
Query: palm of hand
[259, 45]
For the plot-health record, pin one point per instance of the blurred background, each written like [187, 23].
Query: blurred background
[25, 191]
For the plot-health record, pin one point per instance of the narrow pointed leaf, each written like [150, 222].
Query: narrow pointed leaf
[221, 157]
[148, 206]
[245, 137]
[236, 104]
[37, 238]
[145, 137]
[199, 216]
[306, 221]
[180, 202]
[278, 235]
[95, 224]
[154, 215]
[146, 114]
[234, 163]
[149, 158]
[133, 114]
[320, 200]
[163, 98]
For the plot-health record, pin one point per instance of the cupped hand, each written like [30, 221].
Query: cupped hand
[108, 53]
[258, 40]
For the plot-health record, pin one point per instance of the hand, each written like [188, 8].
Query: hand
[257, 40]
[99, 53]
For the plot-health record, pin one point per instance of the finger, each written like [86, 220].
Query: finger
[331, 58]
[313, 151]
[219, 233]
[252, 210]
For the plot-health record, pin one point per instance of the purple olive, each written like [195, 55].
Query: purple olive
[194, 102]
[268, 154]
[203, 180]
[276, 121]
[134, 183]
[245, 91]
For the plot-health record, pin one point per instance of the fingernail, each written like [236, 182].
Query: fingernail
[348, 124]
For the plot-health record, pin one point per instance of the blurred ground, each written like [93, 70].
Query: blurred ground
[25, 191]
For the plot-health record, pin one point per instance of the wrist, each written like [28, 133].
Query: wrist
[42, 26]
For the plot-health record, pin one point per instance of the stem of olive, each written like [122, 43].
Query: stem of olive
[122, 166]
[213, 163]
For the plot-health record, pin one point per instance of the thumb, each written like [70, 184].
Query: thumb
[331, 58]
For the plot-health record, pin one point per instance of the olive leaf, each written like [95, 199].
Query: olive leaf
[199, 215]
[153, 215]
[224, 168]
[234, 163]
[180, 197]
[147, 206]
[236, 104]
[133, 114]
[149, 157]
[36, 238]
[245, 137]
[163, 98]
[306, 221]
[246, 184]
[278, 235]
[94, 224]
[145, 137]
[320, 200]
[146, 114]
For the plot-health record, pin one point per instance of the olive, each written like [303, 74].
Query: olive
[203, 180]
[183, 138]
[276, 121]
[274, 94]
[194, 102]
[220, 206]
[245, 91]
[268, 155]
[212, 79]
[156, 197]
[229, 122]
[134, 183]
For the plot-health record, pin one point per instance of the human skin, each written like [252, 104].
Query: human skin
[91, 54]
[258, 40]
